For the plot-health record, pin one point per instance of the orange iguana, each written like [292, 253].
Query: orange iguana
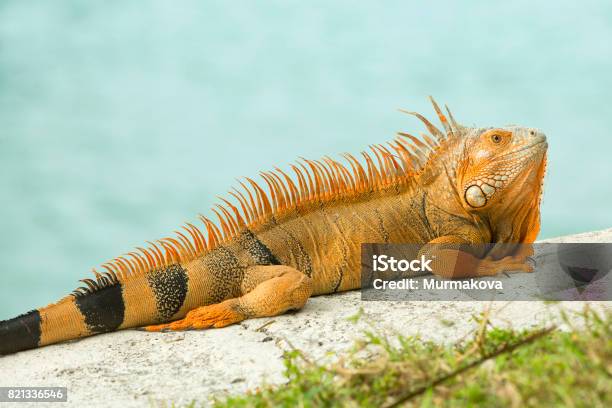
[273, 250]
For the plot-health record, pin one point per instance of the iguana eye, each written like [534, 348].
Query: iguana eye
[495, 138]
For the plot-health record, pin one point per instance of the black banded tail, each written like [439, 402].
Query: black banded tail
[153, 298]
[21, 333]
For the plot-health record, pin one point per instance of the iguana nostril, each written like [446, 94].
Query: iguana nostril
[531, 133]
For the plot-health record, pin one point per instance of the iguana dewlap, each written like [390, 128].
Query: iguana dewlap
[272, 249]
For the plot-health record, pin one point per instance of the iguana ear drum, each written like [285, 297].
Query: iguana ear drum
[475, 197]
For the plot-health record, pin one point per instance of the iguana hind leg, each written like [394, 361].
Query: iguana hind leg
[268, 291]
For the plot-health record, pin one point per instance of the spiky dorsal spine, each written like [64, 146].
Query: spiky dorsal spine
[393, 165]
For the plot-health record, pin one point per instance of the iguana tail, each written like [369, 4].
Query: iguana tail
[107, 305]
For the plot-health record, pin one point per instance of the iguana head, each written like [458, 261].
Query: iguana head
[500, 180]
[498, 164]
[493, 175]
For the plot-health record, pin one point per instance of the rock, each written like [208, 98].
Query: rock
[133, 368]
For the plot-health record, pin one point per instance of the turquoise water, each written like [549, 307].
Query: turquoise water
[120, 120]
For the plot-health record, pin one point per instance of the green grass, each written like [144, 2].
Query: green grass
[493, 367]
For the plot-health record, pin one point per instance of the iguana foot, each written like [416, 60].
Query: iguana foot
[450, 262]
[215, 315]
[487, 267]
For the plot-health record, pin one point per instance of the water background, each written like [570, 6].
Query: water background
[120, 120]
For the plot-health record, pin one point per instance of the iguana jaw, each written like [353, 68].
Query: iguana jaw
[516, 217]
[541, 139]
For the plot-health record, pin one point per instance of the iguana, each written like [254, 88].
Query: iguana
[271, 250]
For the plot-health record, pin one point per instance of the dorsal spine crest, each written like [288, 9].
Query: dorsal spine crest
[316, 181]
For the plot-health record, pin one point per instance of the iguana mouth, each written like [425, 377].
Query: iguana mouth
[527, 147]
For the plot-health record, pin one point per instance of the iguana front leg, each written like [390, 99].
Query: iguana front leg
[449, 261]
[268, 291]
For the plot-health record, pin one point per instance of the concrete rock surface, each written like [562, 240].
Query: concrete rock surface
[135, 368]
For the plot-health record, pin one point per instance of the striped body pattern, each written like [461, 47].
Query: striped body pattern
[292, 236]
